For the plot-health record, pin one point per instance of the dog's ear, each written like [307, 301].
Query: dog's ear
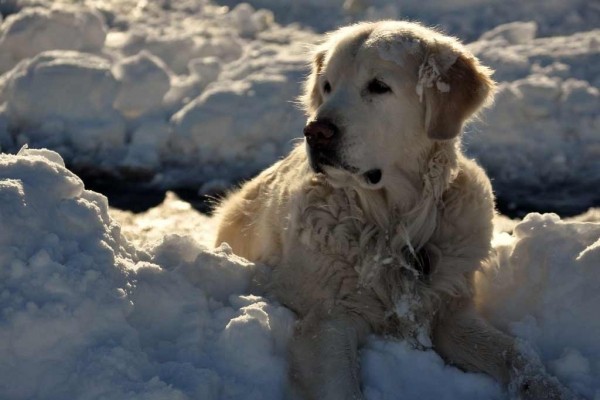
[454, 86]
[311, 97]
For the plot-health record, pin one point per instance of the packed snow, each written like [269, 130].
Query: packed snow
[194, 94]
[102, 303]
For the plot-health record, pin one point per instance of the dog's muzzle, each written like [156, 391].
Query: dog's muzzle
[323, 141]
[323, 138]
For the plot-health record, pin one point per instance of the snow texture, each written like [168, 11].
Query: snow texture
[86, 313]
[541, 138]
[186, 93]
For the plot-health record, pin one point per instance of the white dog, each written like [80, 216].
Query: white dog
[378, 223]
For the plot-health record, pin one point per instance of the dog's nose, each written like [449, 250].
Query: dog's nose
[320, 133]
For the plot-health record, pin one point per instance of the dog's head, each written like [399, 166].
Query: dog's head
[380, 94]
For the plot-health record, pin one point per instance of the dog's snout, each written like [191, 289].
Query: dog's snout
[321, 133]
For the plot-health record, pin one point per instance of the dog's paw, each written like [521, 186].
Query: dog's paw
[541, 387]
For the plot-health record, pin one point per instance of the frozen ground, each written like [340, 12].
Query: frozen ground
[141, 309]
[193, 94]
[100, 303]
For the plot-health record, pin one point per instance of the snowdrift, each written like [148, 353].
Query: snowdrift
[190, 93]
[85, 313]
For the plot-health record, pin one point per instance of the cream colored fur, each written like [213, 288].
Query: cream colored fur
[345, 252]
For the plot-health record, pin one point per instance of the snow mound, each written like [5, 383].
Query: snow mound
[540, 142]
[36, 29]
[85, 315]
[144, 82]
[235, 126]
[64, 99]
[545, 288]
[175, 94]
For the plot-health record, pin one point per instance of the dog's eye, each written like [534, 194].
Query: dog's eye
[375, 86]
[327, 87]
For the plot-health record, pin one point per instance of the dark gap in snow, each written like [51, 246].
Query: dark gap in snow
[9, 7]
[138, 198]
[516, 203]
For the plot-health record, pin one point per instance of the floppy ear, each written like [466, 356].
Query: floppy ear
[454, 86]
[311, 97]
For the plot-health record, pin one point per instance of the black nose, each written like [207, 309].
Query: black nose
[321, 133]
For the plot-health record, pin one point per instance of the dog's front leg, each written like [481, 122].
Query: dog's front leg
[463, 338]
[324, 356]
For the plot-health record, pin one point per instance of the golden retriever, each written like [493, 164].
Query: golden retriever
[377, 223]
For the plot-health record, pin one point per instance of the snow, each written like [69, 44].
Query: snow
[36, 29]
[85, 314]
[144, 82]
[64, 99]
[95, 308]
[102, 303]
[544, 289]
[170, 94]
[540, 140]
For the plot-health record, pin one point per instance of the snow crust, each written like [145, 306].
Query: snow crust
[141, 309]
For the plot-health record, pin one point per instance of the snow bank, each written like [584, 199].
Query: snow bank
[464, 18]
[540, 140]
[65, 100]
[189, 93]
[545, 288]
[85, 314]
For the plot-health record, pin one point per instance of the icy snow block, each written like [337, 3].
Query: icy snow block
[144, 82]
[174, 50]
[34, 30]
[66, 97]
[245, 122]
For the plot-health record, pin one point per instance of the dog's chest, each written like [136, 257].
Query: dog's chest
[349, 259]
[329, 222]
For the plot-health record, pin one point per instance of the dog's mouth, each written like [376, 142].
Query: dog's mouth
[323, 163]
[319, 159]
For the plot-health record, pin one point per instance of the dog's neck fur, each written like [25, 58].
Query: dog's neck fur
[411, 199]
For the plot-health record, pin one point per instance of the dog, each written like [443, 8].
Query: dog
[377, 222]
